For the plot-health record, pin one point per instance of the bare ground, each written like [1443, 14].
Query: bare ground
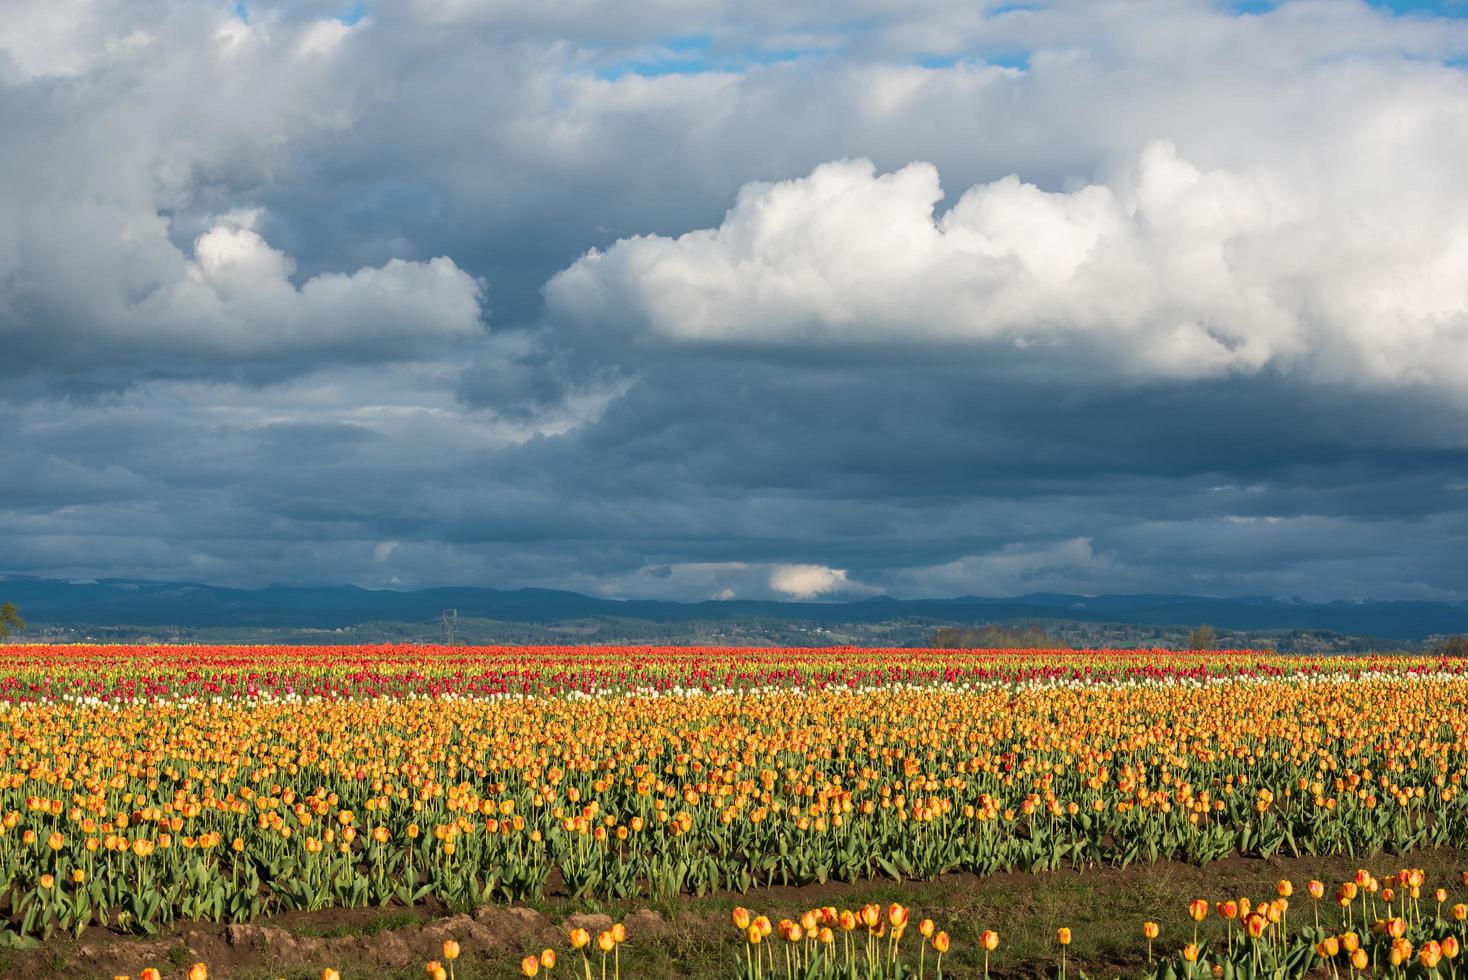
[692, 937]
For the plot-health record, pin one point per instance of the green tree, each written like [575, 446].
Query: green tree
[1205, 637]
[10, 620]
[993, 638]
[1452, 646]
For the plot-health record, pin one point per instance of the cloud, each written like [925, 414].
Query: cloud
[231, 305]
[136, 243]
[807, 581]
[1169, 271]
[1172, 301]
[1015, 569]
[235, 296]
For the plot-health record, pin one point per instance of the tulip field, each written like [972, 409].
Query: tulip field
[142, 787]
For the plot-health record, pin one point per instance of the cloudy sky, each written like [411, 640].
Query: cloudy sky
[699, 298]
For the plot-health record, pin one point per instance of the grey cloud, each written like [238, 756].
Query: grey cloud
[936, 483]
[426, 166]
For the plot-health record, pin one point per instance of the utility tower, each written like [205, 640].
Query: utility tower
[450, 620]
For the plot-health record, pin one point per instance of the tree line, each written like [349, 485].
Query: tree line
[10, 620]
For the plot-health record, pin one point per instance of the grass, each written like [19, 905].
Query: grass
[372, 927]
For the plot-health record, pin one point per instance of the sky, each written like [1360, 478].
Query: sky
[697, 299]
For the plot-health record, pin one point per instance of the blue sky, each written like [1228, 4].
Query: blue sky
[706, 52]
[734, 299]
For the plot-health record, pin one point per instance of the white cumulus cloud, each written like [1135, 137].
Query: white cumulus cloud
[1167, 269]
[807, 581]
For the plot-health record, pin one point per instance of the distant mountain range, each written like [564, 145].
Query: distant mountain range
[121, 602]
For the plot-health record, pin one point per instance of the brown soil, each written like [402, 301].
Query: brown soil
[691, 937]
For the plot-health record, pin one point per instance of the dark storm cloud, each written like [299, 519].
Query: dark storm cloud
[301, 300]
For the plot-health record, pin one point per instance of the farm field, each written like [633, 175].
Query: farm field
[270, 811]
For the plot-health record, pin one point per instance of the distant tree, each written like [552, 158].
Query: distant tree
[1205, 637]
[10, 620]
[993, 638]
[1452, 646]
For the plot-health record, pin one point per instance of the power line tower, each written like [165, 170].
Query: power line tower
[450, 620]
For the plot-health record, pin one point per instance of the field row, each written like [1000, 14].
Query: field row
[46, 673]
[134, 813]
